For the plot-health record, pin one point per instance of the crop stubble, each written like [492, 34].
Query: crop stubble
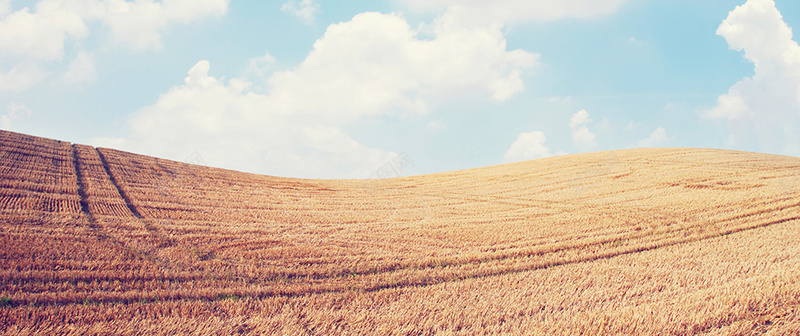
[666, 240]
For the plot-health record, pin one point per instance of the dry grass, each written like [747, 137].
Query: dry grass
[646, 241]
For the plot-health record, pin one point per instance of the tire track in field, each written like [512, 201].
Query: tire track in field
[81, 184]
[542, 264]
[371, 282]
[100, 222]
[93, 222]
[116, 185]
[670, 236]
[673, 231]
[158, 238]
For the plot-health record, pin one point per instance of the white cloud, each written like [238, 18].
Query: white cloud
[762, 110]
[39, 35]
[21, 77]
[657, 137]
[14, 113]
[31, 37]
[581, 135]
[578, 119]
[529, 146]
[81, 70]
[513, 11]
[374, 64]
[5, 7]
[303, 9]
[233, 128]
[139, 23]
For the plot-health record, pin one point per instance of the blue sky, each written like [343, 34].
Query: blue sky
[312, 88]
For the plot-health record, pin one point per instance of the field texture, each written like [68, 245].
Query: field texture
[647, 241]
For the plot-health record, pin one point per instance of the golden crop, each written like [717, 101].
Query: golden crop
[644, 241]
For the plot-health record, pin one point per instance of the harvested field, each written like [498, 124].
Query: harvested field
[668, 241]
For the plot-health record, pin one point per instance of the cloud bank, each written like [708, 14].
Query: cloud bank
[762, 111]
[30, 38]
[373, 65]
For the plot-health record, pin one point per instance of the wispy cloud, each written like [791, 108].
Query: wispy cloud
[306, 10]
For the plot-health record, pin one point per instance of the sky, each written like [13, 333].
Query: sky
[356, 89]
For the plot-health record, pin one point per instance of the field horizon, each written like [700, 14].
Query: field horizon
[670, 241]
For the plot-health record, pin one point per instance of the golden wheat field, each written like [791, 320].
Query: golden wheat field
[668, 241]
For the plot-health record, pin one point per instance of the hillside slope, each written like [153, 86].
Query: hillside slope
[667, 241]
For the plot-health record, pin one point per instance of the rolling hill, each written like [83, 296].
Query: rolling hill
[640, 241]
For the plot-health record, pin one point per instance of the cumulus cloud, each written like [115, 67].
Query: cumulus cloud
[30, 36]
[139, 23]
[762, 110]
[528, 146]
[5, 7]
[581, 135]
[374, 64]
[513, 11]
[303, 9]
[39, 35]
[656, 138]
[233, 128]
